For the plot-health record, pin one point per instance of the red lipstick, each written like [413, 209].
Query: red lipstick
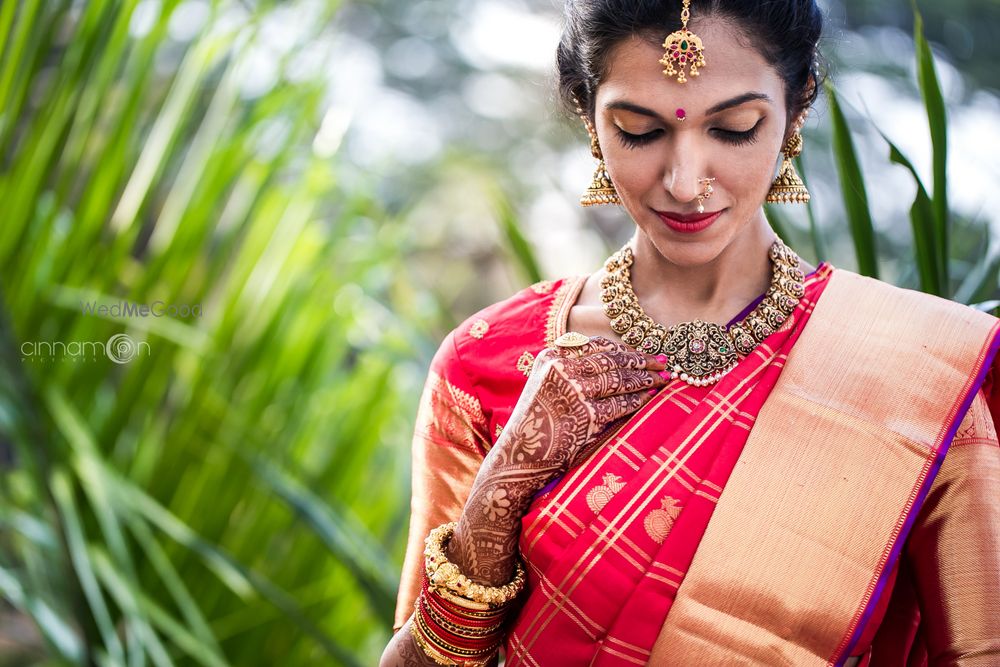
[688, 224]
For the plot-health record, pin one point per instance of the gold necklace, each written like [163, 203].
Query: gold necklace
[701, 353]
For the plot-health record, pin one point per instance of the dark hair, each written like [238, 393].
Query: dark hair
[785, 32]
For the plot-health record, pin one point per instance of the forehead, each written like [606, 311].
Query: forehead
[733, 67]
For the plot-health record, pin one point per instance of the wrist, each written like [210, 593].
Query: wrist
[487, 556]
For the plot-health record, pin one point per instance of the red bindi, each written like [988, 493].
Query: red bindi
[681, 114]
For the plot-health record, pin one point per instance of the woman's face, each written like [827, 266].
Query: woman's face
[734, 128]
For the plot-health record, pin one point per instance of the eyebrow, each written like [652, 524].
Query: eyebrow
[721, 106]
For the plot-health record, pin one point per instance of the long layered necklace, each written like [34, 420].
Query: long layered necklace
[701, 353]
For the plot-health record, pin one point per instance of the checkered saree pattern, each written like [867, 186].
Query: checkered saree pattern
[608, 547]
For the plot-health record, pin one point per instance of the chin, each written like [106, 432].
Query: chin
[690, 253]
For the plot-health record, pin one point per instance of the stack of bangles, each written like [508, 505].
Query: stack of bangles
[456, 621]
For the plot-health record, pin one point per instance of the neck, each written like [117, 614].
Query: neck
[715, 291]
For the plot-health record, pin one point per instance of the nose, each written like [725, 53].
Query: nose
[683, 170]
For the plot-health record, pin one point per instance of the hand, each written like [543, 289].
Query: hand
[573, 401]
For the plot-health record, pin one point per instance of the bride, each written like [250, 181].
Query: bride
[707, 452]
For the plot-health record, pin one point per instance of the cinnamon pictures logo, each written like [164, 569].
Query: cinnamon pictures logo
[120, 348]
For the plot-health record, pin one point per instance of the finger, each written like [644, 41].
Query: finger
[602, 344]
[616, 407]
[600, 362]
[620, 381]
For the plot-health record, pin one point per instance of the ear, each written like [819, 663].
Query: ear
[795, 123]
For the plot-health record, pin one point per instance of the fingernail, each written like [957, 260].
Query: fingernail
[664, 374]
[662, 358]
[652, 392]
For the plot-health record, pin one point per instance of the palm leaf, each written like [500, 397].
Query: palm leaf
[937, 118]
[924, 235]
[855, 195]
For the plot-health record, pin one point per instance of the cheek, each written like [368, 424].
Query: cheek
[634, 171]
[746, 171]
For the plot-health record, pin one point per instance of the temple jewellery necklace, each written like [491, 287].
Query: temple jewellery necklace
[701, 353]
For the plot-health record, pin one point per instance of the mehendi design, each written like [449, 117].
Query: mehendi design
[408, 653]
[496, 504]
[571, 404]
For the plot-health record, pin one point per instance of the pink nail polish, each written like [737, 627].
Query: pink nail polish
[664, 374]
[652, 392]
[662, 358]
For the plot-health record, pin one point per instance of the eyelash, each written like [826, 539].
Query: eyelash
[729, 136]
[739, 138]
[630, 140]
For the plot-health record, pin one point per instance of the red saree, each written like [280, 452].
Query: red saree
[610, 547]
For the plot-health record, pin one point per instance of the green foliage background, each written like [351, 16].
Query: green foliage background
[238, 493]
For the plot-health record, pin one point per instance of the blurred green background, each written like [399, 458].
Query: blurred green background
[315, 192]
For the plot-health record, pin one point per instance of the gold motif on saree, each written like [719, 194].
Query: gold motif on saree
[450, 414]
[479, 329]
[542, 287]
[976, 426]
[659, 521]
[600, 495]
[525, 363]
[559, 308]
[498, 431]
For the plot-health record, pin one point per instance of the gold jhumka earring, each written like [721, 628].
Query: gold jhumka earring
[683, 49]
[788, 187]
[601, 190]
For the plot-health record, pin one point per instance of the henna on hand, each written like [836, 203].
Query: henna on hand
[403, 651]
[573, 401]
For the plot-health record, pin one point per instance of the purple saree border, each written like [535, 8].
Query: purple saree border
[756, 302]
[897, 547]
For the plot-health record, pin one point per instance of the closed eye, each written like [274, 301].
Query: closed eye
[630, 140]
[738, 137]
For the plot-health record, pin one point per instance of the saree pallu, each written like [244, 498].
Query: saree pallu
[608, 547]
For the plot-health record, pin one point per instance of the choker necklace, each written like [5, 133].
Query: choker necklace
[701, 353]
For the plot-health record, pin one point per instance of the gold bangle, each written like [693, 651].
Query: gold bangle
[441, 644]
[444, 576]
[460, 630]
[438, 657]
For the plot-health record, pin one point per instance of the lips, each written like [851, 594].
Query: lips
[688, 223]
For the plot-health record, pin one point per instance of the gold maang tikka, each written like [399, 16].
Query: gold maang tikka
[683, 49]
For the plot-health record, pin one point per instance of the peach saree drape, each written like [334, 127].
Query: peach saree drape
[831, 510]
[720, 523]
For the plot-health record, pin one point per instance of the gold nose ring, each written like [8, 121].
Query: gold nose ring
[707, 182]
